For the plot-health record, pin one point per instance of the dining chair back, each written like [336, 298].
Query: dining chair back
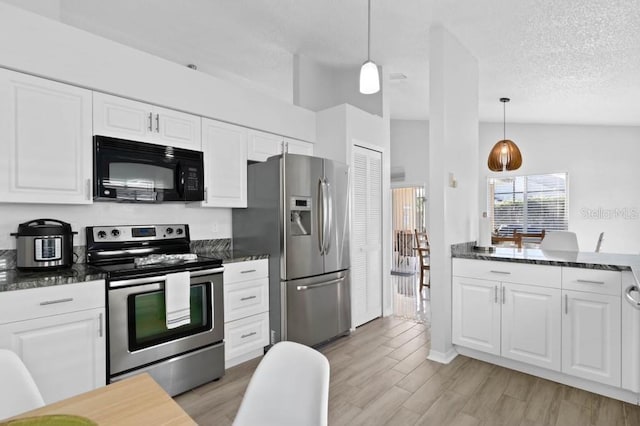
[599, 243]
[289, 387]
[560, 241]
[424, 256]
[18, 391]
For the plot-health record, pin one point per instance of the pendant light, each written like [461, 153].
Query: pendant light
[369, 77]
[505, 154]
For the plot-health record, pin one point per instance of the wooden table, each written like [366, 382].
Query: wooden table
[138, 400]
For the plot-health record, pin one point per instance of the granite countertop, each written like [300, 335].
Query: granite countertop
[589, 260]
[230, 255]
[13, 279]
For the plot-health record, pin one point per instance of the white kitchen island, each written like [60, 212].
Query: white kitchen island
[563, 316]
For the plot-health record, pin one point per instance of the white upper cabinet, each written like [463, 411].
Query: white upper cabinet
[264, 145]
[294, 146]
[45, 140]
[127, 119]
[225, 164]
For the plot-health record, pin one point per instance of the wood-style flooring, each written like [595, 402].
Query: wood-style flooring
[380, 376]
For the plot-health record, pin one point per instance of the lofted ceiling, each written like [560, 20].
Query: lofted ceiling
[562, 61]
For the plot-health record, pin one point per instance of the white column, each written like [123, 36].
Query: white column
[453, 155]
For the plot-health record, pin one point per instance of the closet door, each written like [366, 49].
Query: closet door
[366, 220]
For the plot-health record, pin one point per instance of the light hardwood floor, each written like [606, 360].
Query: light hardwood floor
[380, 375]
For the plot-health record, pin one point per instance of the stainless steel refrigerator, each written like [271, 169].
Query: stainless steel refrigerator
[298, 213]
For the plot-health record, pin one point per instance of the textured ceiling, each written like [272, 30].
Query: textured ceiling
[562, 61]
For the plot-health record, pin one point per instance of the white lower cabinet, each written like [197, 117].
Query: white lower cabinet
[476, 314]
[591, 336]
[59, 333]
[531, 325]
[246, 310]
[516, 321]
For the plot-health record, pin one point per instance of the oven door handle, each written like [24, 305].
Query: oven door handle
[156, 278]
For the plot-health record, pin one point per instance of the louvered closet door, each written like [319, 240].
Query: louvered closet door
[366, 263]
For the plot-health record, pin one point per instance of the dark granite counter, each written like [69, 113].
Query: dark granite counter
[231, 256]
[13, 279]
[589, 260]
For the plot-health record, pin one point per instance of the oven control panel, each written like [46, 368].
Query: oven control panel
[124, 233]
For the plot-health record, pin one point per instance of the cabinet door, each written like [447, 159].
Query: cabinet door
[476, 314]
[531, 325]
[177, 129]
[263, 145]
[123, 118]
[591, 336]
[45, 141]
[245, 298]
[294, 146]
[245, 335]
[225, 164]
[64, 353]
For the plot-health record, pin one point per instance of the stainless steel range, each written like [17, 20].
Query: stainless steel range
[140, 261]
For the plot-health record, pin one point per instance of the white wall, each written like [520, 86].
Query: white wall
[453, 148]
[33, 44]
[604, 176]
[410, 151]
[318, 87]
[204, 223]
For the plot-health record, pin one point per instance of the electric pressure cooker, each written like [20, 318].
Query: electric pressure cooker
[44, 244]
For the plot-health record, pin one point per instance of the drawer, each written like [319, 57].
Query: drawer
[246, 298]
[32, 303]
[592, 280]
[512, 272]
[246, 335]
[245, 271]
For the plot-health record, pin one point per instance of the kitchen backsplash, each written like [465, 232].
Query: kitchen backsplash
[8, 257]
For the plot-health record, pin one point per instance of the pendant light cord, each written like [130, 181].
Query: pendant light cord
[504, 121]
[368, 30]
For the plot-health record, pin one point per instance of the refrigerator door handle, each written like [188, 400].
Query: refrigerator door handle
[325, 284]
[320, 212]
[328, 219]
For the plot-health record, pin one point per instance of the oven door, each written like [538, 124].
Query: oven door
[137, 331]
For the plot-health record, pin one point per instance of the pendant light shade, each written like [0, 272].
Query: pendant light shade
[505, 154]
[369, 76]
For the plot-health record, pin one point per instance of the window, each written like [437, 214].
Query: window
[528, 203]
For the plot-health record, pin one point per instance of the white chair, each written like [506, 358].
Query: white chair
[18, 391]
[559, 241]
[599, 243]
[289, 387]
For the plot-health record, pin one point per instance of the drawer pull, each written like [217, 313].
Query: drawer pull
[590, 282]
[244, 336]
[501, 272]
[247, 298]
[100, 321]
[248, 271]
[566, 304]
[495, 294]
[53, 302]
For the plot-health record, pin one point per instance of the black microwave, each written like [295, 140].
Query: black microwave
[125, 170]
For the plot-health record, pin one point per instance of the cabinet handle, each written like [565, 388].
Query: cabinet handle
[566, 304]
[244, 336]
[100, 321]
[248, 271]
[151, 122]
[590, 282]
[158, 123]
[504, 299]
[205, 194]
[247, 298]
[495, 294]
[53, 302]
[88, 188]
[501, 272]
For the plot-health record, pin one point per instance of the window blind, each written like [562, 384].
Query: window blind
[529, 203]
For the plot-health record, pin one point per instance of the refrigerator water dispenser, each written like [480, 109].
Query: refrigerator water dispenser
[300, 221]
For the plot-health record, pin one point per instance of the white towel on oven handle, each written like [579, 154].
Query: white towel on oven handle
[177, 292]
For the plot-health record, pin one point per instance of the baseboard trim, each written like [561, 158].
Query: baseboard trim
[442, 357]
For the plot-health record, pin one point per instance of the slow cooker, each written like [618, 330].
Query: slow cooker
[44, 244]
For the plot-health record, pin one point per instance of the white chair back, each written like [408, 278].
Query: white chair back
[289, 387]
[18, 391]
[560, 241]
